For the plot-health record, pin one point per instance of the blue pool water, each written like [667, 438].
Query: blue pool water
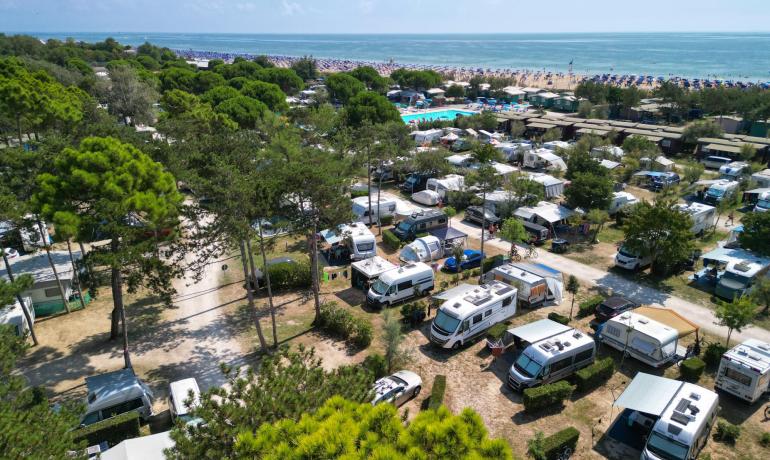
[449, 114]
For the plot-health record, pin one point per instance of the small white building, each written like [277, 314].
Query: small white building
[543, 159]
[552, 186]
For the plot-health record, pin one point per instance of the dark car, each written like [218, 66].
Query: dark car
[471, 259]
[612, 307]
[663, 180]
[474, 214]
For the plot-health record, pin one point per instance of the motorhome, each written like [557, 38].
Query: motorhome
[358, 240]
[678, 415]
[744, 371]
[739, 277]
[424, 249]
[420, 222]
[399, 284]
[703, 216]
[734, 170]
[384, 208]
[461, 319]
[763, 202]
[416, 181]
[621, 201]
[365, 272]
[115, 393]
[762, 178]
[630, 260]
[537, 283]
[721, 190]
[183, 396]
[13, 315]
[715, 162]
[555, 352]
[450, 183]
[645, 339]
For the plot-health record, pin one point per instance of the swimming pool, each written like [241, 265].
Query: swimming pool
[448, 114]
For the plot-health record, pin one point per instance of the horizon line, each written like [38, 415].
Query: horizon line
[626, 32]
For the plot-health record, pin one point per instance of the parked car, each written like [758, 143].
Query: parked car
[475, 213]
[612, 307]
[397, 388]
[179, 394]
[11, 253]
[471, 259]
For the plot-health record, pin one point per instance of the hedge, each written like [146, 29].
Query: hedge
[376, 364]
[727, 432]
[113, 430]
[358, 193]
[692, 368]
[492, 262]
[386, 220]
[764, 440]
[437, 392]
[555, 444]
[290, 275]
[553, 316]
[594, 375]
[546, 395]
[588, 306]
[390, 239]
[713, 354]
[341, 323]
[497, 331]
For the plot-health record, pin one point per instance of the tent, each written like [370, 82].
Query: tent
[669, 318]
[648, 394]
[423, 249]
[143, 448]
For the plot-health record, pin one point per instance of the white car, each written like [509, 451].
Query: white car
[397, 388]
[11, 253]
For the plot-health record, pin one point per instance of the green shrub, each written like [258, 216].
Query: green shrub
[437, 392]
[588, 306]
[386, 220]
[594, 375]
[491, 262]
[553, 316]
[546, 395]
[390, 240]
[497, 331]
[555, 444]
[341, 323]
[712, 356]
[290, 275]
[113, 430]
[408, 310]
[376, 364]
[692, 368]
[535, 447]
[475, 273]
[727, 432]
[358, 193]
[764, 440]
[422, 235]
[465, 275]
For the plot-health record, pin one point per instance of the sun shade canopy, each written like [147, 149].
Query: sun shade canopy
[669, 318]
[649, 394]
[539, 330]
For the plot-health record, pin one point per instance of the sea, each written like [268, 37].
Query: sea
[730, 56]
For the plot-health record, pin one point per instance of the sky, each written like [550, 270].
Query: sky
[383, 16]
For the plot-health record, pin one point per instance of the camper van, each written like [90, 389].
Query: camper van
[628, 259]
[640, 337]
[555, 352]
[115, 393]
[715, 162]
[745, 370]
[720, 190]
[467, 316]
[763, 202]
[536, 283]
[621, 201]
[420, 222]
[399, 284]
[359, 240]
[703, 216]
[734, 170]
[13, 315]
[386, 207]
[450, 183]
[739, 277]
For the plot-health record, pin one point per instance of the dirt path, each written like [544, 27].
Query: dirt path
[700, 315]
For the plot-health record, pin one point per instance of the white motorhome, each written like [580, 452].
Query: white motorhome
[763, 202]
[703, 216]
[115, 393]
[645, 339]
[762, 178]
[629, 260]
[555, 352]
[461, 319]
[13, 315]
[721, 190]
[399, 284]
[621, 201]
[359, 240]
[740, 277]
[536, 283]
[678, 414]
[386, 207]
[424, 249]
[734, 170]
[450, 183]
[745, 370]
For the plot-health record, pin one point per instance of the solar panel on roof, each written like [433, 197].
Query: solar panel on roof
[680, 418]
[504, 290]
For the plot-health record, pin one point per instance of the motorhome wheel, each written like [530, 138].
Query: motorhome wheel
[416, 391]
[457, 345]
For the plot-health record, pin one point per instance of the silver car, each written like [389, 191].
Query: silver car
[397, 388]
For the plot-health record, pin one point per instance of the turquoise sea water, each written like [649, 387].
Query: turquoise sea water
[437, 115]
[735, 56]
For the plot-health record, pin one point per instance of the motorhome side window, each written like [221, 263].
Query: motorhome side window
[507, 301]
[442, 220]
[466, 325]
[612, 330]
[487, 313]
[556, 366]
[583, 355]
[732, 374]
[392, 207]
[477, 318]
[51, 292]
[405, 285]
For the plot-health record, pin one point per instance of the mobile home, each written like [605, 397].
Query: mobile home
[703, 216]
[537, 283]
[745, 370]
[399, 284]
[384, 208]
[645, 339]
[461, 319]
[555, 352]
[450, 183]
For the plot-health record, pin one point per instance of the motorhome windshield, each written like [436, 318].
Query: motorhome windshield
[763, 204]
[404, 226]
[715, 192]
[379, 287]
[666, 448]
[625, 252]
[527, 366]
[446, 322]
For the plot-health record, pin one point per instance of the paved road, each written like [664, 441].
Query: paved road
[698, 314]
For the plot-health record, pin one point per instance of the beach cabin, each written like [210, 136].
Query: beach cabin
[530, 92]
[567, 103]
[44, 293]
[514, 94]
[545, 213]
[552, 187]
[545, 99]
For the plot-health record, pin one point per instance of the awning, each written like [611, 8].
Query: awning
[723, 148]
[330, 236]
[669, 318]
[448, 233]
[539, 330]
[649, 394]
[457, 291]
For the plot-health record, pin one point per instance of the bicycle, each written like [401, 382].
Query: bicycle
[532, 252]
[515, 256]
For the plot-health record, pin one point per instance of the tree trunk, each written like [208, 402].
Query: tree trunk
[83, 256]
[75, 275]
[250, 297]
[254, 276]
[729, 333]
[43, 236]
[118, 309]
[24, 306]
[369, 187]
[314, 271]
[571, 306]
[269, 287]
[379, 187]
[483, 227]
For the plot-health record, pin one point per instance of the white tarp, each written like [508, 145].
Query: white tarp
[143, 448]
[538, 330]
[555, 287]
[648, 394]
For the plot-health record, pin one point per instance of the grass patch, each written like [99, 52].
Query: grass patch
[611, 233]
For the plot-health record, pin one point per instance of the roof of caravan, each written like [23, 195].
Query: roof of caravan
[39, 268]
[457, 291]
[539, 330]
[753, 353]
[647, 326]
[373, 266]
[669, 318]
[463, 305]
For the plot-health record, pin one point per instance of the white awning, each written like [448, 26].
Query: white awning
[539, 330]
[649, 394]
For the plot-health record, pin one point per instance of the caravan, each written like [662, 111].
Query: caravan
[640, 337]
[745, 370]
[359, 240]
[537, 283]
[703, 216]
[13, 315]
[386, 207]
[467, 316]
[555, 352]
[621, 201]
[450, 183]
[399, 284]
